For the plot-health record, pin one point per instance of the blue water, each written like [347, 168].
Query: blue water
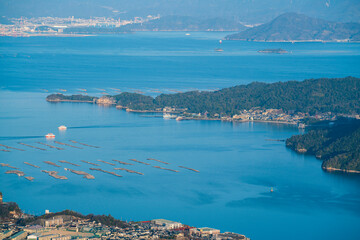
[237, 165]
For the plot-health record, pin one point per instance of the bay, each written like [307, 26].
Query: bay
[237, 165]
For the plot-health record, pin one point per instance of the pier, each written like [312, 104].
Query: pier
[85, 174]
[17, 172]
[128, 170]
[4, 150]
[51, 163]
[31, 165]
[8, 147]
[65, 144]
[153, 159]
[43, 149]
[134, 160]
[54, 174]
[191, 169]
[101, 170]
[168, 169]
[50, 146]
[121, 162]
[106, 162]
[63, 161]
[84, 144]
[94, 164]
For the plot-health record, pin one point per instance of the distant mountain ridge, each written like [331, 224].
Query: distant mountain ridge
[299, 27]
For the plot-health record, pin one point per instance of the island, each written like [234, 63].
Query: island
[294, 27]
[300, 103]
[275, 50]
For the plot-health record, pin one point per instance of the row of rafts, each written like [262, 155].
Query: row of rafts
[85, 174]
[9, 148]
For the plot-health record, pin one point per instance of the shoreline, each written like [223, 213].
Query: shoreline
[331, 169]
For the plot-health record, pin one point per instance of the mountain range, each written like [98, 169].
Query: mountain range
[299, 27]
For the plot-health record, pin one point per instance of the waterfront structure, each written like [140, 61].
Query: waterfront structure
[167, 224]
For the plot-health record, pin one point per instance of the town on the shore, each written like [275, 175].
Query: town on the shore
[67, 225]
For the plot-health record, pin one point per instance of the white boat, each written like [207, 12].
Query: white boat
[50, 135]
[62, 127]
[187, 34]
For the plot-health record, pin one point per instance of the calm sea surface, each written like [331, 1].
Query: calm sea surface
[237, 165]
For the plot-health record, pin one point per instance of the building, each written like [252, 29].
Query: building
[52, 222]
[5, 234]
[68, 237]
[48, 237]
[167, 224]
[208, 231]
[18, 236]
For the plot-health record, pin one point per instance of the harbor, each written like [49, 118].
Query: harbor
[94, 164]
[65, 144]
[50, 146]
[106, 162]
[191, 169]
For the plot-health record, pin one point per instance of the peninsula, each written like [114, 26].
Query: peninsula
[293, 102]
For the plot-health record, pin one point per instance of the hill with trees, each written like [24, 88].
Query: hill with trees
[337, 145]
[299, 27]
[336, 95]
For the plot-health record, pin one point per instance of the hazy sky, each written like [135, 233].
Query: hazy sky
[250, 11]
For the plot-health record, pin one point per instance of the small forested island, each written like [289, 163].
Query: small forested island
[294, 102]
[276, 50]
[337, 144]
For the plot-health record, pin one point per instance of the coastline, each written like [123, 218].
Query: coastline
[331, 169]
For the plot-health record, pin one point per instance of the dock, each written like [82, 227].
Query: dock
[65, 144]
[84, 144]
[106, 162]
[17, 172]
[63, 161]
[128, 170]
[100, 170]
[191, 169]
[42, 149]
[7, 165]
[54, 174]
[4, 150]
[85, 174]
[94, 164]
[121, 162]
[31, 165]
[8, 147]
[167, 169]
[134, 160]
[157, 160]
[51, 163]
[50, 146]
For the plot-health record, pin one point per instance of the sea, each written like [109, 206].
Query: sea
[238, 163]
